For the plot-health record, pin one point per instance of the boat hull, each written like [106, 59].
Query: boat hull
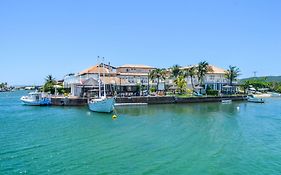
[256, 100]
[102, 105]
[42, 102]
[226, 101]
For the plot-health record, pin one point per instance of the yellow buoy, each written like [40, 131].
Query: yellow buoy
[114, 116]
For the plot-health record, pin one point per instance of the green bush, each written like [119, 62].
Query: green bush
[49, 87]
[212, 92]
[152, 89]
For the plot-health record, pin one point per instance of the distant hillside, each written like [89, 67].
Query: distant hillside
[268, 78]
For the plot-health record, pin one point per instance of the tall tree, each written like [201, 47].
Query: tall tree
[50, 79]
[175, 71]
[232, 73]
[202, 69]
[191, 72]
[159, 74]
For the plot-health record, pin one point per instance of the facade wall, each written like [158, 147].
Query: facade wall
[214, 81]
[134, 75]
[135, 79]
[133, 70]
[77, 79]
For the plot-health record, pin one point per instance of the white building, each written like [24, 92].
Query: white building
[124, 80]
[87, 77]
[134, 74]
[215, 79]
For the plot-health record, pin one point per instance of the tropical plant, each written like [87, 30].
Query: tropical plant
[210, 91]
[49, 84]
[232, 73]
[258, 83]
[191, 72]
[202, 69]
[50, 79]
[262, 83]
[181, 84]
[153, 89]
[175, 71]
[159, 74]
[4, 85]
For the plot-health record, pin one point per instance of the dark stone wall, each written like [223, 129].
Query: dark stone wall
[148, 100]
[69, 101]
[167, 100]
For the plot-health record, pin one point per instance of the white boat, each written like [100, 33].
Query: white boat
[36, 99]
[253, 99]
[275, 94]
[102, 103]
[227, 101]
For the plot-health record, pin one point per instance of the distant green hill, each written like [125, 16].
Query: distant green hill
[268, 78]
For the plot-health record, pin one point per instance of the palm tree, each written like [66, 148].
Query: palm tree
[158, 74]
[202, 69]
[49, 84]
[175, 71]
[232, 73]
[50, 79]
[181, 83]
[191, 72]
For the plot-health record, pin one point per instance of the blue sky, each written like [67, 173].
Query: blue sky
[57, 37]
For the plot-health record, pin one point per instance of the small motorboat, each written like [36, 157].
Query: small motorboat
[253, 99]
[36, 99]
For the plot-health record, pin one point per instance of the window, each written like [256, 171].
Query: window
[212, 77]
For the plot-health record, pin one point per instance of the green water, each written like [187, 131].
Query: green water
[208, 138]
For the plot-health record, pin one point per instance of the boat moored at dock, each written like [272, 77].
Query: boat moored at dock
[36, 99]
[253, 99]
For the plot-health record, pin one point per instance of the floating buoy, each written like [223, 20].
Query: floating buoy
[114, 116]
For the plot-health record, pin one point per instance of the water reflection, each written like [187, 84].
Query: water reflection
[180, 109]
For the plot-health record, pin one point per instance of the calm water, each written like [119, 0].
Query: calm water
[213, 138]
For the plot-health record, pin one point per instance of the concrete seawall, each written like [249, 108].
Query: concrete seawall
[62, 101]
[172, 99]
[209, 99]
